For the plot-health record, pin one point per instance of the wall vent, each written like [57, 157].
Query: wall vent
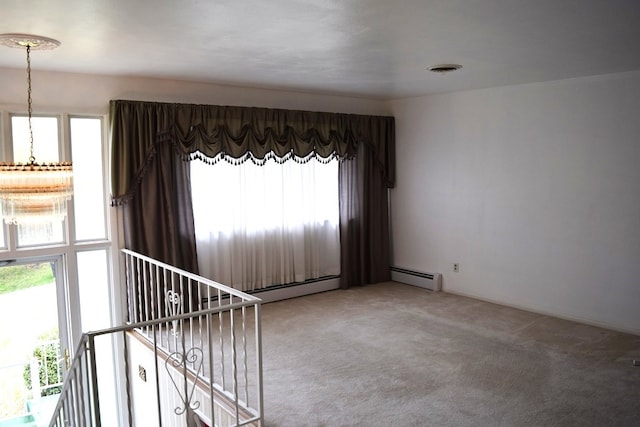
[431, 281]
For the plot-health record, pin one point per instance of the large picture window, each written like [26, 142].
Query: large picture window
[258, 226]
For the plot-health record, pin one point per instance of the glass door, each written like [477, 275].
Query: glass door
[33, 338]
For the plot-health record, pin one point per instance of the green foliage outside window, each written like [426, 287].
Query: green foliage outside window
[47, 354]
[18, 277]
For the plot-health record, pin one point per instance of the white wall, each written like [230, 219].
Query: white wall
[534, 189]
[82, 93]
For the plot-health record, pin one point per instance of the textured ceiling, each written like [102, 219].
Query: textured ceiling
[369, 48]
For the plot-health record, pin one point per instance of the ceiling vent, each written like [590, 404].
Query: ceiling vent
[444, 68]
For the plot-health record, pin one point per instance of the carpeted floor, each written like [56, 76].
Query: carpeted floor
[396, 355]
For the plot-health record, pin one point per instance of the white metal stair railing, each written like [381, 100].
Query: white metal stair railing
[78, 404]
[193, 362]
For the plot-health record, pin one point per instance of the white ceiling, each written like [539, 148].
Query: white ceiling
[369, 48]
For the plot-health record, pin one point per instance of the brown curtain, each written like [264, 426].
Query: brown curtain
[144, 132]
[157, 215]
[158, 222]
[364, 206]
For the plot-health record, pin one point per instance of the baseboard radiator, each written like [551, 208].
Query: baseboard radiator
[431, 281]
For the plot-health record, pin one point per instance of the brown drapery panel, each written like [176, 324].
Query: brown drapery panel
[142, 130]
[158, 222]
[364, 219]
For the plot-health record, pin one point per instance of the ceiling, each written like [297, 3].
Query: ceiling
[368, 48]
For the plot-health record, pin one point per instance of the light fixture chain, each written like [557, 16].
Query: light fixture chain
[32, 159]
[32, 193]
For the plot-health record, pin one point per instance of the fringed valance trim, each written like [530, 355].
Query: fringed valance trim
[220, 157]
[257, 161]
[237, 134]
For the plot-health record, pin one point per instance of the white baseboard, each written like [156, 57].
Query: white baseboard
[431, 281]
[547, 313]
[294, 291]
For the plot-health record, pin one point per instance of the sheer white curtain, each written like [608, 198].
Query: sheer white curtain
[258, 226]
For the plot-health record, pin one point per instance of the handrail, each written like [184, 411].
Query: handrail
[67, 384]
[183, 340]
[193, 276]
[83, 348]
[146, 323]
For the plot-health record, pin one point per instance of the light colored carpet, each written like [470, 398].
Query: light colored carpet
[396, 355]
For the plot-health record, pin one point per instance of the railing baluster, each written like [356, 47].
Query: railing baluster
[165, 289]
[83, 363]
[74, 401]
[79, 405]
[182, 295]
[131, 293]
[94, 379]
[199, 308]
[211, 367]
[127, 376]
[153, 285]
[221, 325]
[185, 366]
[191, 310]
[139, 285]
[157, 373]
[258, 336]
[175, 323]
[244, 356]
[66, 405]
[234, 364]
[145, 291]
[82, 389]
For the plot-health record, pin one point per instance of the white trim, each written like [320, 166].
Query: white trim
[272, 295]
[547, 313]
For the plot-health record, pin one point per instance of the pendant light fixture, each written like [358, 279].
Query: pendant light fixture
[33, 193]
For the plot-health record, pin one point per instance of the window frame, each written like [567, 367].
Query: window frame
[70, 246]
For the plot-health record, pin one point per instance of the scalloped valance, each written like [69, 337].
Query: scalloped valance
[239, 133]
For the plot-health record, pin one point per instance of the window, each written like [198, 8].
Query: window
[88, 185]
[85, 229]
[258, 226]
[46, 143]
[76, 252]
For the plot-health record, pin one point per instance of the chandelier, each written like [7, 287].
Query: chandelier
[33, 193]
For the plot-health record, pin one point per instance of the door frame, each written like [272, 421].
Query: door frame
[63, 309]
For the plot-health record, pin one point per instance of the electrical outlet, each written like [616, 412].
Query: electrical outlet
[456, 267]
